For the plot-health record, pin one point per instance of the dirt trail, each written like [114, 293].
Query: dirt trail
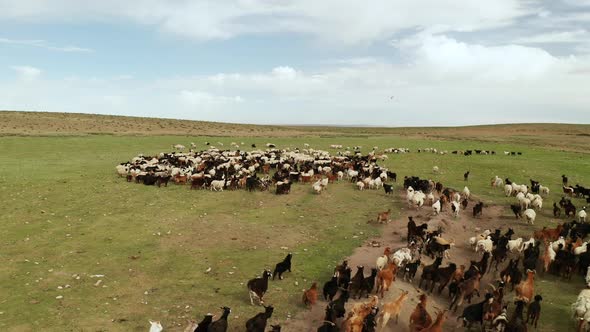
[459, 229]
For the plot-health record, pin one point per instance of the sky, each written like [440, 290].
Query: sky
[329, 62]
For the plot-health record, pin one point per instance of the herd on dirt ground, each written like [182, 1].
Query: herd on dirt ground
[560, 251]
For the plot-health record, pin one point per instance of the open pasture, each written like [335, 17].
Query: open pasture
[66, 214]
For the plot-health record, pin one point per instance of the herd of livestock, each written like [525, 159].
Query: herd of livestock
[561, 251]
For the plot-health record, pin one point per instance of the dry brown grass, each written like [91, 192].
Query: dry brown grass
[567, 137]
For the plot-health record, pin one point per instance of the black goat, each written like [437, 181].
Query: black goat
[410, 270]
[204, 324]
[282, 267]
[220, 325]
[368, 283]
[475, 313]
[517, 210]
[354, 287]
[388, 188]
[258, 286]
[258, 322]
[478, 209]
[331, 288]
[534, 312]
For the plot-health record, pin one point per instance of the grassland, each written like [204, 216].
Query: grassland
[66, 213]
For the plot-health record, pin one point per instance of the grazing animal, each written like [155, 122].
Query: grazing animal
[388, 188]
[475, 313]
[384, 259]
[369, 283]
[220, 325]
[392, 309]
[385, 278]
[466, 290]
[436, 207]
[339, 303]
[466, 176]
[455, 207]
[526, 288]
[534, 312]
[203, 325]
[258, 322]
[282, 267]
[582, 215]
[556, 210]
[420, 318]
[155, 326]
[517, 322]
[478, 210]
[331, 288]
[437, 326]
[429, 270]
[384, 217]
[310, 296]
[410, 270]
[354, 287]
[258, 286]
[530, 216]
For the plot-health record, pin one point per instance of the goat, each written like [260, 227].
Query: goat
[420, 318]
[526, 288]
[466, 290]
[331, 288]
[220, 325]
[354, 287]
[475, 313]
[392, 309]
[258, 286]
[156, 326]
[534, 312]
[388, 188]
[282, 267]
[385, 278]
[258, 322]
[310, 296]
[203, 325]
[384, 217]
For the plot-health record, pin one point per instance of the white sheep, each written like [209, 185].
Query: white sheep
[466, 193]
[122, 170]
[515, 245]
[520, 196]
[418, 199]
[473, 240]
[217, 185]
[378, 183]
[508, 190]
[537, 204]
[317, 187]
[340, 175]
[524, 203]
[360, 185]
[352, 174]
[435, 169]
[581, 309]
[456, 197]
[485, 245]
[324, 182]
[455, 207]
[530, 216]
[497, 181]
[582, 215]
[543, 190]
[155, 327]
[436, 207]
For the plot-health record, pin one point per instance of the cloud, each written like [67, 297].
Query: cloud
[44, 44]
[574, 36]
[27, 73]
[336, 21]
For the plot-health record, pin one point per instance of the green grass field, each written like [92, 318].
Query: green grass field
[66, 213]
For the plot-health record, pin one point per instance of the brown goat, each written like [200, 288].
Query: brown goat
[420, 318]
[383, 217]
[466, 290]
[392, 309]
[437, 326]
[310, 296]
[526, 289]
[385, 278]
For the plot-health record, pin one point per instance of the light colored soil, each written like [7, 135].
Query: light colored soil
[459, 230]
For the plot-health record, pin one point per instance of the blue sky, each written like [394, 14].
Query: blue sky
[387, 63]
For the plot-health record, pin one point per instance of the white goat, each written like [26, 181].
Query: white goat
[402, 256]
[360, 185]
[582, 215]
[466, 193]
[436, 207]
[455, 207]
[473, 240]
[155, 326]
[217, 185]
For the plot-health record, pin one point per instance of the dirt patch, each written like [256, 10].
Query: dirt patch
[459, 229]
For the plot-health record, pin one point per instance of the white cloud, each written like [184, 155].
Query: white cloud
[44, 44]
[343, 21]
[27, 73]
[574, 36]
